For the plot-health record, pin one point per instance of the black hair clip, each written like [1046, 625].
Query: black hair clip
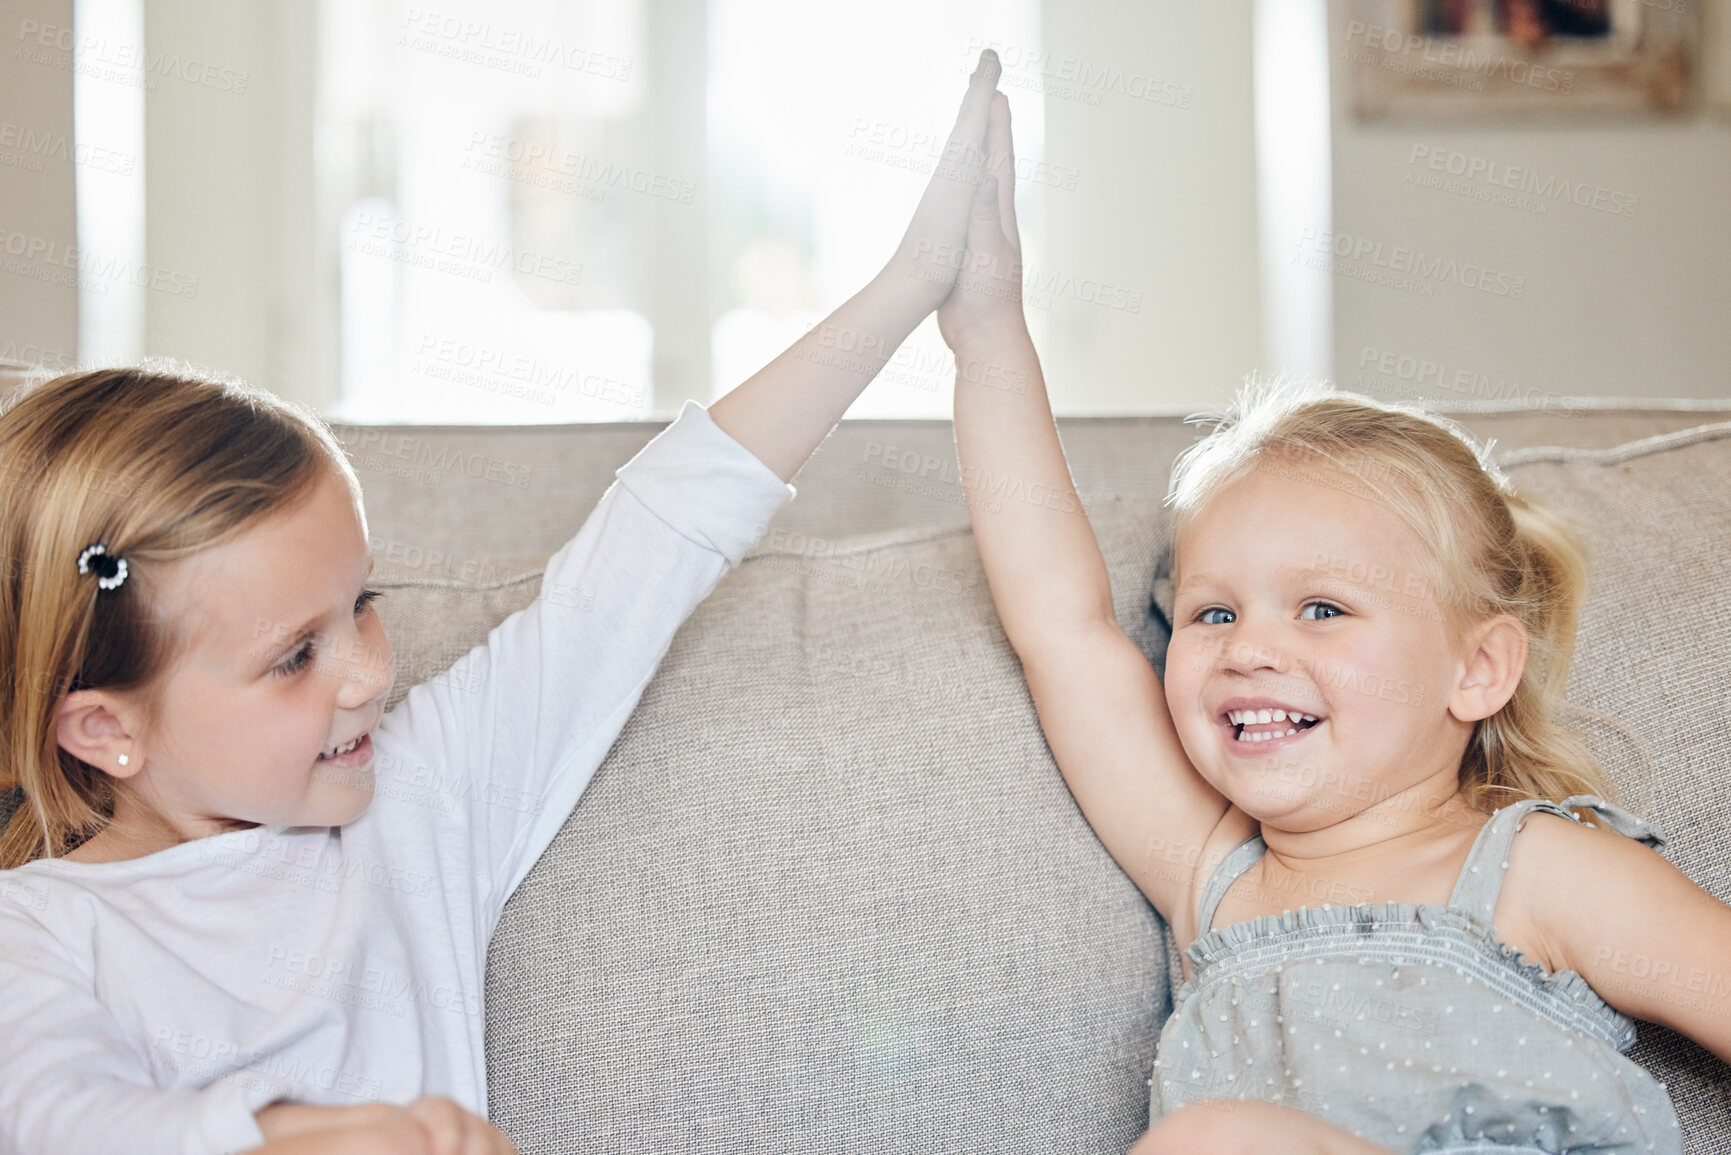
[110, 569]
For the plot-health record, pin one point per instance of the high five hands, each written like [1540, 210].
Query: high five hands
[962, 249]
[782, 412]
[984, 306]
[939, 249]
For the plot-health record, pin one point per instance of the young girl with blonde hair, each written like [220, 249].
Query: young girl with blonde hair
[1371, 636]
[212, 933]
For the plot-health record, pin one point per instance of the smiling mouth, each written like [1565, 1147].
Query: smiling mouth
[1249, 726]
[346, 748]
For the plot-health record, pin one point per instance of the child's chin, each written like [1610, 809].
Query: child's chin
[339, 805]
[1297, 811]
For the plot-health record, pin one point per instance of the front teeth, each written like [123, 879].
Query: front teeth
[1251, 717]
[1256, 717]
[344, 749]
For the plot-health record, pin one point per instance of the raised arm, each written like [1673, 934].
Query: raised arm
[782, 412]
[1101, 707]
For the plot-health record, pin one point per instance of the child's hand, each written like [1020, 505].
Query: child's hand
[986, 302]
[926, 262]
[428, 1126]
[451, 1130]
[784, 410]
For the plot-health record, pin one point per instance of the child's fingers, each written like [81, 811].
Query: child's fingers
[940, 223]
[450, 1130]
[441, 1123]
[987, 241]
[970, 129]
[987, 203]
[964, 152]
[1002, 165]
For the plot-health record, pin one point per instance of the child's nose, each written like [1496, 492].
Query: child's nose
[1248, 649]
[367, 673]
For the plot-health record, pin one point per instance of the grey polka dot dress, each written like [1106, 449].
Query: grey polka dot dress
[1412, 1025]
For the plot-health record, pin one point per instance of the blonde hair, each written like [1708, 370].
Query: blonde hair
[1492, 552]
[157, 462]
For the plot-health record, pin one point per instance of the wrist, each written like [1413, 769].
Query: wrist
[906, 290]
[280, 1119]
[994, 340]
[285, 1118]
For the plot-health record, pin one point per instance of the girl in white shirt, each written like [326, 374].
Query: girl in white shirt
[215, 930]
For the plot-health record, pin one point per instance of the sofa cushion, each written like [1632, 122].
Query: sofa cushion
[830, 888]
[1656, 515]
[764, 889]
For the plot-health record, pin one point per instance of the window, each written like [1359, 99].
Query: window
[562, 212]
[502, 188]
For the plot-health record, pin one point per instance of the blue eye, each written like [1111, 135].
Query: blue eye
[300, 658]
[1334, 611]
[1207, 618]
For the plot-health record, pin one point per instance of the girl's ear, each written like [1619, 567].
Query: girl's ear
[88, 728]
[1496, 653]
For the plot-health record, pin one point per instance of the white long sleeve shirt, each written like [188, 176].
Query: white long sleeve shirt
[153, 1005]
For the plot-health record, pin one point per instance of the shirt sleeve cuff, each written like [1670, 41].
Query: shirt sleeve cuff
[706, 485]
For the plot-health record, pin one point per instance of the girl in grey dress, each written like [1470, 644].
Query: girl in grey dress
[1415, 919]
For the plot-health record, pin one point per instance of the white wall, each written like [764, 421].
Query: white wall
[1163, 212]
[1164, 206]
[231, 198]
[38, 317]
[1613, 304]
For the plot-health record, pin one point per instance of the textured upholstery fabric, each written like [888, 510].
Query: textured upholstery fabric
[829, 891]
[1650, 656]
[915, 686]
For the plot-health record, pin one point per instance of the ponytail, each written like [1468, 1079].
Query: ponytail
[1523, 750]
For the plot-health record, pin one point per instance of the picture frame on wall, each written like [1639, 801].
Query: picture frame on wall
[1513, 59]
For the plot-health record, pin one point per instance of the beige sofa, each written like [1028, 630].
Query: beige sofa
[829, 891]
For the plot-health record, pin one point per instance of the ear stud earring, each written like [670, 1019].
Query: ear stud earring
[123, 759]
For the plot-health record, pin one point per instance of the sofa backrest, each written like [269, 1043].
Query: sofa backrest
[828, 889]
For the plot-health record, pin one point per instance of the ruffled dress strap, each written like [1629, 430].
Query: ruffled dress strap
[1481, 879]
[1238, 860]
